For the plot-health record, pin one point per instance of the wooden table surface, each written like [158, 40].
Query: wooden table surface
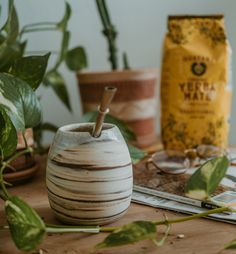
[201, 235]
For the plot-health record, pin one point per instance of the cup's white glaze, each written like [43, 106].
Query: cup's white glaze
[89, 179]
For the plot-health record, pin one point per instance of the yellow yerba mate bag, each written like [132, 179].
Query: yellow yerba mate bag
[195, 84]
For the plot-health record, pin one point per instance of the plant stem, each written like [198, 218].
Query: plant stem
[37, 29]
[51, 228]
[168, 222]
[5, 195]
[109, 32]
[68, 229]
[194, 216]
[41, 52]
[125, 61]
[40, 24]
[18, 154]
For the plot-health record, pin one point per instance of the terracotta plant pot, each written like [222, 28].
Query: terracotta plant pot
[135, 101]
[89, 180]
[25, 166]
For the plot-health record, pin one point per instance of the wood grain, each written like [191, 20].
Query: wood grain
[202, 236]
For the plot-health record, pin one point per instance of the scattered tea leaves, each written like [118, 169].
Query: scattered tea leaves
[26, 227]
[130, 233]
[207, 178]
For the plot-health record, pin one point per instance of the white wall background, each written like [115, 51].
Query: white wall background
[141, 25]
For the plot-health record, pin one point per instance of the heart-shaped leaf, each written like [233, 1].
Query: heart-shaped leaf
[9, 53]
[8, 135]
[11, 27]
[55, 80]
[26, 227]
[19, 101]
[130, 233]
[76, 59]
[124, 129]
[30, 69]
[206, 179]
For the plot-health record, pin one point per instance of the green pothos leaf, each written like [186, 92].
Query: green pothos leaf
[124, 129]
[231, 245]
[26, 227]
[62, 25]
[76, 59]
[30, 69]
[136, 154]
[19, 102]
[8, 135]
[11, 27]
[130, 233]
[9, 53]
[206, 179]
[55, 80]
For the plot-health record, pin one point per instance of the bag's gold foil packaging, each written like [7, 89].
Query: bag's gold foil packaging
[195, 84]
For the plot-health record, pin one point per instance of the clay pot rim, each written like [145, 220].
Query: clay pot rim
[134, 74]
[68, 129]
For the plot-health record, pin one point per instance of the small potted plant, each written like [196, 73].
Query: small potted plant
[135, 101]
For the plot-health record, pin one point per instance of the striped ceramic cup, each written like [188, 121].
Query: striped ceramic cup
[89, 180]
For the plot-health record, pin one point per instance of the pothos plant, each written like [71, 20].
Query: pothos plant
[75, 59]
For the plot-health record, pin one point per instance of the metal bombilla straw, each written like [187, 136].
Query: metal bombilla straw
[103, 109]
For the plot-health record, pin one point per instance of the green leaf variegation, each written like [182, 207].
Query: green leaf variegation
[30, 69]
[27, 228]
[130, 233]
[207, 178]
[19, 102]
[8, 135]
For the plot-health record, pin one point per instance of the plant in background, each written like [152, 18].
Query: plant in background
[109, 31]
[75, 59]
